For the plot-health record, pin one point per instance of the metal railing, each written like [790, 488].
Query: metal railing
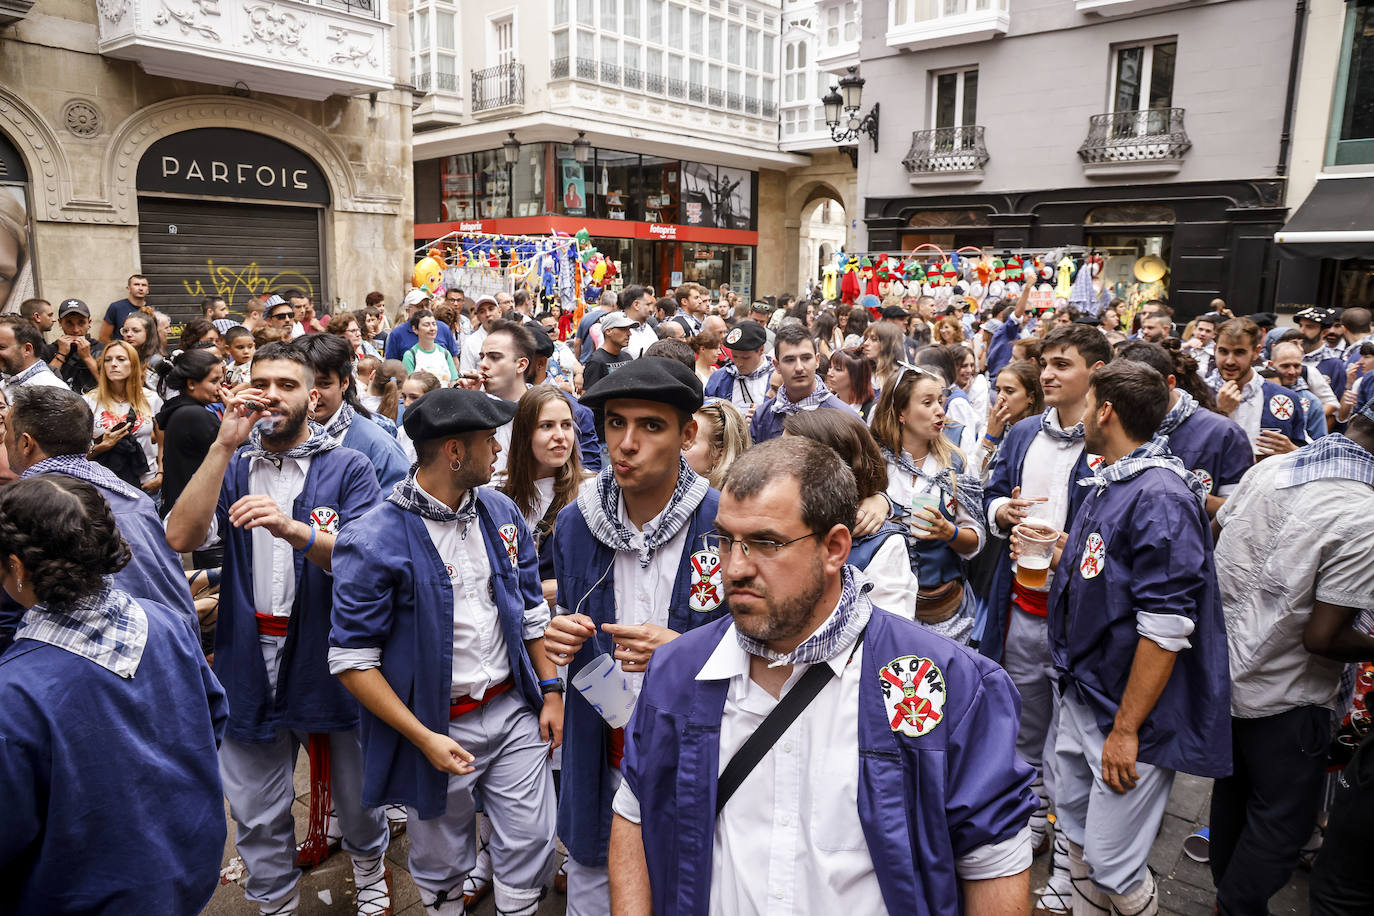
[770, 109]
[634, 79]
[361, 7]
[610, 73]
[751, 105]
[734, 101]
[558, 68]
[655, 83]
[498, 87]
[1135, 136]
[677, 88]
[715, 98]
[586, 68]
[946, 149]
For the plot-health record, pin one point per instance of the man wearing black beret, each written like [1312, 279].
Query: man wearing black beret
[437, 600]
[633, 573]
[744, 380]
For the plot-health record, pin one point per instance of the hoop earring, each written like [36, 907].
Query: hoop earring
[455, 465]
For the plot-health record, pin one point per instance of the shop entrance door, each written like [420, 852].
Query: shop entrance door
[191, 249]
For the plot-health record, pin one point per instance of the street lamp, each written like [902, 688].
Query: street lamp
[511, 148]
[582, 147]
[849, 96]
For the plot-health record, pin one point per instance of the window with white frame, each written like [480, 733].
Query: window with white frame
[693, 49]
[954, 100]
[1143, 76]
[841, 24]
[502, 40]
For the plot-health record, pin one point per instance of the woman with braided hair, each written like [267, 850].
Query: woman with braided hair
[111, 720]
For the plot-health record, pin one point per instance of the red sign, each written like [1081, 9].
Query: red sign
[662, 231]
[470, 227]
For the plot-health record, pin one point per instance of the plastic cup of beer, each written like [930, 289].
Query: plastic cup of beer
[1037, 548]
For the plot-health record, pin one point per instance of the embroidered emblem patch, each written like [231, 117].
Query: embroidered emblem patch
[325, 520]
[706, 591]
[1094, 557]
[1202, 475]
[733, 337]
[1281, 406]
[1095, 462]
[950, 506]
[507, 533]
[914, 693]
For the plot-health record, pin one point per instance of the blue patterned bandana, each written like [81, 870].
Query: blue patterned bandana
[108, 628]
[1049, 425]
[1153, 454]
[839, 630]
[24, 377]
[1332, 457]
[340, 422]
[319, 441]
[77, 466]
[1187, 406]
[601, 510]
[965, 489]
[782, 405]
[408, 495]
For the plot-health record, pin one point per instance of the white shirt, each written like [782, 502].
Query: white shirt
[274, 560]
[480, 660]
[961, 411]
[746, 395]
[108, 418]
[1249, 412]
[901, 487]
[641, 339]
[1048, 471]
[643, 595]
[790, 840]
[498, 473]
[44, 376]
[894, 584]
[470, 354]
[979, 392]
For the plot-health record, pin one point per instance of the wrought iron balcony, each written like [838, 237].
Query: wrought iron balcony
[946, 154]
[1137, 142]
[558, 68]
[299, 48]
[441, 82]
[498, 87]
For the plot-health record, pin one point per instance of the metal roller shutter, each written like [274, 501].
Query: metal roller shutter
[196, 248]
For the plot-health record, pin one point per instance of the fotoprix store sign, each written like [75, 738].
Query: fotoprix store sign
[220, 162]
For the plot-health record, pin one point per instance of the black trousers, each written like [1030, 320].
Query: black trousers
[1343, 878]
[1264, 812]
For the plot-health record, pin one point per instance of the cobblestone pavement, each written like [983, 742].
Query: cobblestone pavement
[1186, 886]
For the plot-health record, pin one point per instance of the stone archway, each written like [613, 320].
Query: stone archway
[829, 177]
[823, 230]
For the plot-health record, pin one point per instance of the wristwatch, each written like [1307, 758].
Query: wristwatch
[552, 685]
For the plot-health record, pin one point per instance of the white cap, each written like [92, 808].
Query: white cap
[415, 297]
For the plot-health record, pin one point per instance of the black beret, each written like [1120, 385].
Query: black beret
[747, 335]
[1264, 319]
[451, 411]
[543, 343]
[649, 378]
[895, 311]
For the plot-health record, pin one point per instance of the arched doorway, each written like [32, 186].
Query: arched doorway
[824, 230]
[230, 213]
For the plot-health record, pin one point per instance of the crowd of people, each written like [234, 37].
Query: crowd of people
[682, 605]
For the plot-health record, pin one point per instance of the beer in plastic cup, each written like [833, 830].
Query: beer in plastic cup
[920, 501]
[606, 687]
[1037, 548]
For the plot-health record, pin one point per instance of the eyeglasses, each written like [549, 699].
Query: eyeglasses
[723, 545]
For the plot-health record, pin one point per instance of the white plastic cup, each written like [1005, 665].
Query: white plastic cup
[606, 687]
[920, 501]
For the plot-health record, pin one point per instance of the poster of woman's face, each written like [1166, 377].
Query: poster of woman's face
[16, 267]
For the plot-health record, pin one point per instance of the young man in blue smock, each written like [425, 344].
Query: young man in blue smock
[1037, 472]
[1139, 644]
[1270, 414]
[895, 788]
[277, 503]
[794, 355]
[633, 572]
[437, 600]
[1210, 445]
[744, 380]
[339, 411]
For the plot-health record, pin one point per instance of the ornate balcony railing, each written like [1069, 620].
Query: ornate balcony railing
[634, 79]
[442, 82]
[586, 68]
[298, 48]
[1153, 136]
[946, 151]
[498, 87]
[558, 68]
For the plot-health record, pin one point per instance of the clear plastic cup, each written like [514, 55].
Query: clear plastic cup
[1037, 549]
[606, 687]
[920, 501]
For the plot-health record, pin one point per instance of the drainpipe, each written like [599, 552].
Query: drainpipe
[1286, 137]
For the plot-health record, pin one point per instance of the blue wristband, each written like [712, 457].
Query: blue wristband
[310, 543]
[550, 682]
[953, 536]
